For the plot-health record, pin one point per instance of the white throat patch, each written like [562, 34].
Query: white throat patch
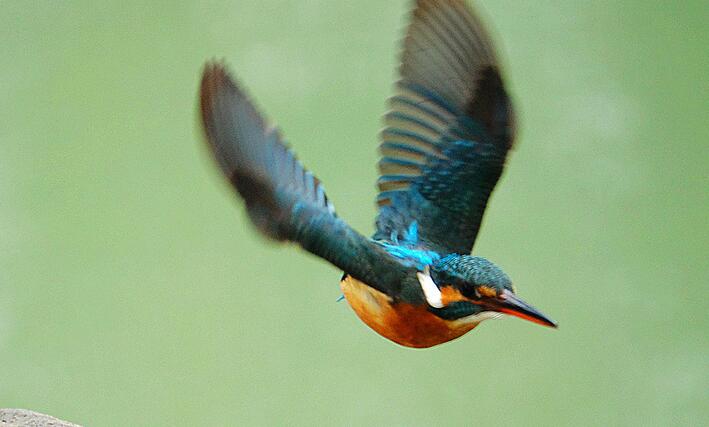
[430, 289]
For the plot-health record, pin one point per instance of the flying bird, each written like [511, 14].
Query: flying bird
[448, 130]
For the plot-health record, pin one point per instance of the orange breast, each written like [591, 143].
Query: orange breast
[405, 324]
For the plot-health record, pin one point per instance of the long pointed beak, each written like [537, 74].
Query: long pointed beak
[509, 303]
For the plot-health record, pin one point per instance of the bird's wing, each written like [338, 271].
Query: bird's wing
[447, 132]
[283, 199]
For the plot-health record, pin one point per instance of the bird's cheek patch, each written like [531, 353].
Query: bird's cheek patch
[449, 295]
[486, 291]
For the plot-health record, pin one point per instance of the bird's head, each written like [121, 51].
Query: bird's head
[472, 289]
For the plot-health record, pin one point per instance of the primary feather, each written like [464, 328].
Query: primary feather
[447, 133]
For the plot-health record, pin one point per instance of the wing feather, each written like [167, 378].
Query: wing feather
[448, 130]
[284, 200]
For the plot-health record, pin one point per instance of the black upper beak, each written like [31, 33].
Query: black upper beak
[511, 304]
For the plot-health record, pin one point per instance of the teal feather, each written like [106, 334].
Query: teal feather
[449, 128]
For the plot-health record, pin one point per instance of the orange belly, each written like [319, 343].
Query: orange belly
[405, 324]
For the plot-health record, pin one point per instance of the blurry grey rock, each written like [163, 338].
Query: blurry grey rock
[25, 418]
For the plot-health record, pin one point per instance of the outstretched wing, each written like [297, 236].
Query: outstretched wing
[283, 199]
[447, 133]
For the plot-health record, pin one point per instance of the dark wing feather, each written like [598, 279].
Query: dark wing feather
[447, 133]
[283, 199]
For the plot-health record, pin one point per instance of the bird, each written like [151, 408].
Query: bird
[447, 133]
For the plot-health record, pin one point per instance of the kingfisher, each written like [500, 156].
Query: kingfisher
[446, 136]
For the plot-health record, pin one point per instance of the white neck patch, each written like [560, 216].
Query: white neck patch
[430, 289]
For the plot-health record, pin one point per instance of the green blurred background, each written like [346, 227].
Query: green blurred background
[133, 291]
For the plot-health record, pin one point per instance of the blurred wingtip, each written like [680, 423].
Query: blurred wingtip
[214, 77]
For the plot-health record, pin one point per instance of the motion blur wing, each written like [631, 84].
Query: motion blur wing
[283, 199]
